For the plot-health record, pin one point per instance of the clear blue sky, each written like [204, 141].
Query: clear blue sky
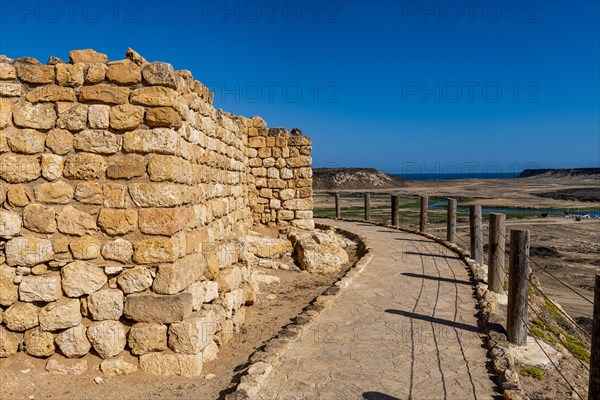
[403, 86]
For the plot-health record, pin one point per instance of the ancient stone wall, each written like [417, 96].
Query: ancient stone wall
[125, 195]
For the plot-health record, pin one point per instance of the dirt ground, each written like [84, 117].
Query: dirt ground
[24, 377]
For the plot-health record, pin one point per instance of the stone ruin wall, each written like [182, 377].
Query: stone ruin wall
[124, 195]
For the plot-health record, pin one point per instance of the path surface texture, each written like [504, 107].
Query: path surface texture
[407, 328]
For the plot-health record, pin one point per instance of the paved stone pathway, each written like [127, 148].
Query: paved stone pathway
[405, 329]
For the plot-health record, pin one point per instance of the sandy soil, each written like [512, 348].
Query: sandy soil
[23, 377]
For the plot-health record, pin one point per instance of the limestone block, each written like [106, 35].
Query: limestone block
[163, 221]
[87, 56]
[158, 140]
[89, 193]
[44, 288]
[18, 195]
[33, 73]
[154, 96]
[158, 250]
[35, 116]
[126, 167]
[52, 166]
[185, 365]
[5, 112]
[117, 222]
[160, 73]
[196, 289]
[27, 141]
[73, 342]
[20, 316]
[104, 93]
[62, 314]
[60, 365]
[10, 224]
[97, 141]
[60, 141]
[173, 278]
[84, 166]
[163, 117]
[9, 342]
[136, 279]
[70, 74]
[99, 116]
[107, 337]
[126, 117]
[155, 194]
[80, 278]
[124, 73]
[211, 291]
[39, 343]
[9, 291]
[50, 93]
[120, 250]
[192, 335]
[117, 367]
[114, 195]
[18, 169]
[95, 73]
[28, 251]
[147, 337]
[105, 304]
[75, 222]
[58, 192]
[163, 309]
[85, 248]
[7, 72]
[229, 278]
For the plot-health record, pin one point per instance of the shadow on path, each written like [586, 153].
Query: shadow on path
[436, 278]
[435, 320]
[378, 396]
[431, 255]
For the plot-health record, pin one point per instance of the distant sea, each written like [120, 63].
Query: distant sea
[448, 177]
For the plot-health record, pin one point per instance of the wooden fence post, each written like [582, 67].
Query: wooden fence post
[594, 389]
[394, 210]
[518, 275]
[338, 213]
[497, 245]
[451, 221]
[475, 234]
[368, 207]
[423, 219]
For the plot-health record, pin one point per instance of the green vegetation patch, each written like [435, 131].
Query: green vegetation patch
[542, 330]
[533, 372]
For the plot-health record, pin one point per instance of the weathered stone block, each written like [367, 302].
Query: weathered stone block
[196, 289]
[9, 342]
[44, 288]
[155, 195]
[147, 337]
[35, 116]
[158, 308]
[5, 112]
[97, 141]
[7, 72]
[117, 367]
[59, 365]
[134, 280]
[88, 193]
[115, 195]
[163, 221]
[192, 335]
[9, 291]
[84, 166]
[73, 342]
[158, 250]
[154, 96]
[39, 343]
[70, 74]
[65, 313]
[229, 278]
[10, 224]
[126, 117]
[33, 73]
[211, 291]
[104, 93]
[26, 141]
[173, 278]
[99, 116]
[87, 56]
[186, 365]
[120, 250]
[126, 167]
[18, 195]
[124, 73]
[85, 248]
[107, 337]
[74, 222]
[19, 169]
[60, 141]
[80, 278]
[159, 140]
[50, 93]
[160, 73]
[52, 166]
[95, 73]
[58, 192]
[21, 316]
[28, 251]
[117, 222]
[105, 304]
[163, 116]
[39, 218]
